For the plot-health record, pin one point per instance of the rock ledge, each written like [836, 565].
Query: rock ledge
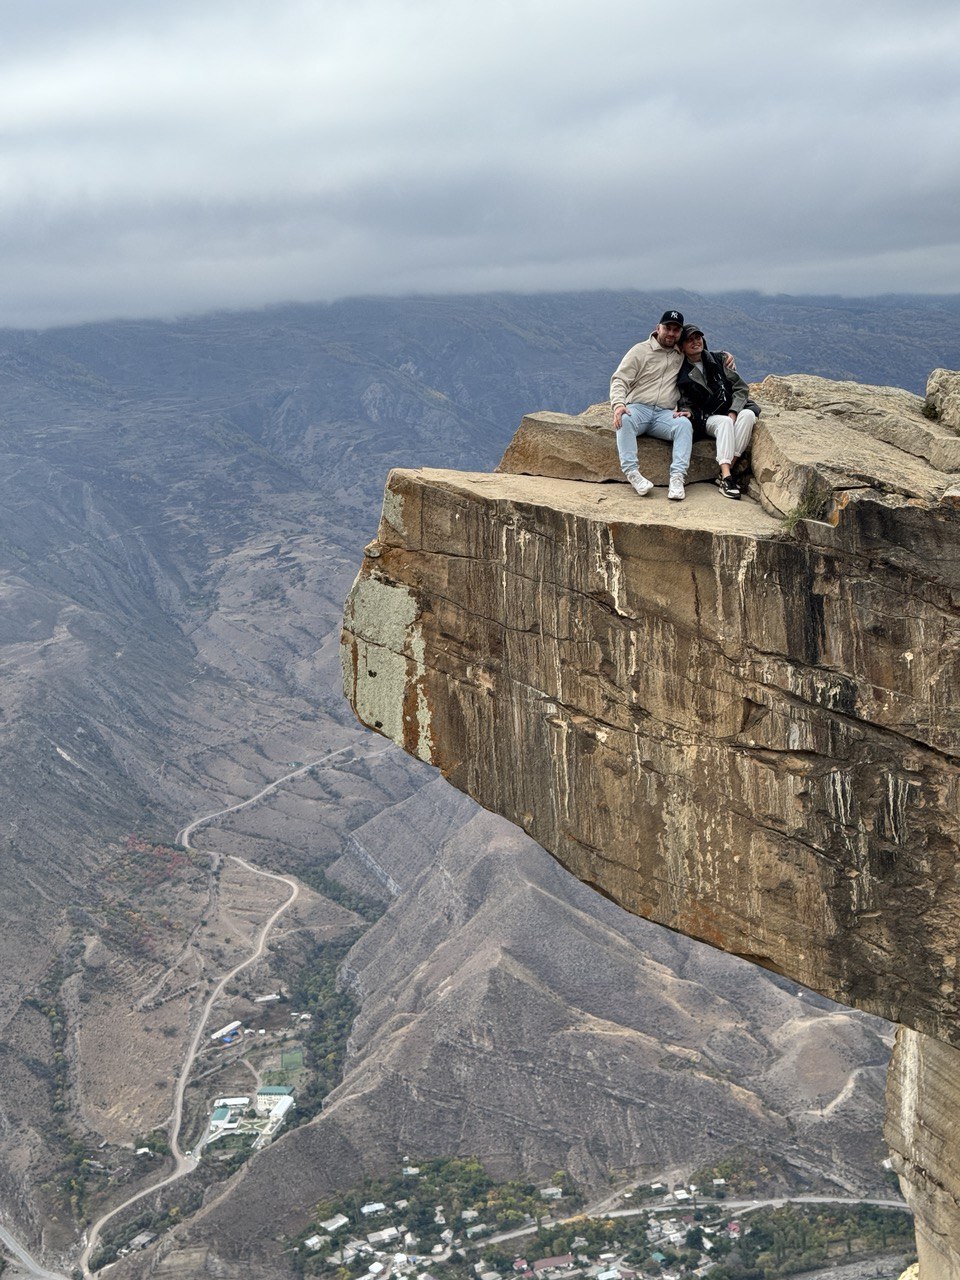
[738, 719]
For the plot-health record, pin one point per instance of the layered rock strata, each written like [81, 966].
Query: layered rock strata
[739, 720]
[923, 1095]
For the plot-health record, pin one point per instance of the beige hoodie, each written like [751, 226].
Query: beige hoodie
[647, 374]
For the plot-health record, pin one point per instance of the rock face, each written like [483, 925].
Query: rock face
[922, 1100]
[739, 720]
[943, 397]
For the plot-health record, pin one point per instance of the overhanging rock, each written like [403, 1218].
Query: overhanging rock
[746, 732]
[737, 719]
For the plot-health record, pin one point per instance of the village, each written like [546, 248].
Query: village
[446, 1218]
[393, 1250]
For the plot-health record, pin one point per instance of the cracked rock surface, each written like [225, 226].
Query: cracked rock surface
[737, 719]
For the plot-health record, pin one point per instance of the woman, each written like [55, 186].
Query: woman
[717, 400]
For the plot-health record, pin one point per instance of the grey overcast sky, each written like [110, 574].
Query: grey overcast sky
[160, 158]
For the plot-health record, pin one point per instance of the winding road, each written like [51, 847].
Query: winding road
[29, 1264]
[185, 1164]
[742, 1207]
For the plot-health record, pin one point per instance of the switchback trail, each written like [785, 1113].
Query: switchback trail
[185, 1164]
[183, 835]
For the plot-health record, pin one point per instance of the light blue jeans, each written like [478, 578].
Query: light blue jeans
[650, 420]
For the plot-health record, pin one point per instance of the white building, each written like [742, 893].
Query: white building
[281, 1107]
[225, 1031]
[268, 1095]
[384, 1237]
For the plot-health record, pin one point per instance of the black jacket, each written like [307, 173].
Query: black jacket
[717, 390]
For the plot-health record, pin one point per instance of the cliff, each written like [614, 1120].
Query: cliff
[738, 720]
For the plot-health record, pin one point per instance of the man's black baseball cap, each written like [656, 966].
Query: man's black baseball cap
[671, 317]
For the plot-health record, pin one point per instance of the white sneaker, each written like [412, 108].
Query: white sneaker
[640, 483]
[675, 493]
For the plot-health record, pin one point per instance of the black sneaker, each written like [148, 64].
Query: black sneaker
[728, 487]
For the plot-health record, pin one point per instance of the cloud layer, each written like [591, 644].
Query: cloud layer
[197, 155]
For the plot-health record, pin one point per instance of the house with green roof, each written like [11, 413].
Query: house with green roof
[269, 1095]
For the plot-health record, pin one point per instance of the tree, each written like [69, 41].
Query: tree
[497, 1260]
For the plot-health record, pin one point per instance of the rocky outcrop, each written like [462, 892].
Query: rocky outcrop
[943, 398]
[584, 448]
[739, 720]
[923, 1102]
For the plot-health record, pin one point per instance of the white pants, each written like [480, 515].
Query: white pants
[732, 437]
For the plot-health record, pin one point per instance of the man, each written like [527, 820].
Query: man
[717, 400]
[643, 394]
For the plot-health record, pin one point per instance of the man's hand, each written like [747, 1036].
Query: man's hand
[618, 413]
[681, 413]
[729, 361]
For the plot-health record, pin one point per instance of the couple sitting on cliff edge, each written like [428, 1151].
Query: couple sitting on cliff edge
[671, 387]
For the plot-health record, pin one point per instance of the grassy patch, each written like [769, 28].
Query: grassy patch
[813, 505]
[291, 1059]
